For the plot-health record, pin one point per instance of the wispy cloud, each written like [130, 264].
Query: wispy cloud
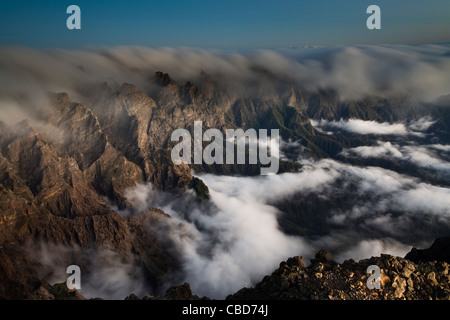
[365, 127]
[104, 272]
[425, 156]
[235, 239]
[26, 75]
[382, 150]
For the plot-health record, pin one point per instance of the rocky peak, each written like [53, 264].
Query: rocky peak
[58, 98]
[208, 85]
[167, 93]
[128, 89]
[163, 79]
[74, 129]
[190, 93]
[137, 103]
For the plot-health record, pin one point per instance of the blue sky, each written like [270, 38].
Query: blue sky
[231, 24]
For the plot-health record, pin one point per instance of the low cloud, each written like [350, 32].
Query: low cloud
[422, 124]
[440, 147]
[425, 156]
[235, 240]
[425, 198]
[388, 204]
[374, 248]
[364, 127]
[381, 150]
[104, 273]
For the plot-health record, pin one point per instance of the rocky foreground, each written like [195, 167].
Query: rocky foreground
[414, 277]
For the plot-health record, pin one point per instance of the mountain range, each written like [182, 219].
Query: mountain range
[66, 172]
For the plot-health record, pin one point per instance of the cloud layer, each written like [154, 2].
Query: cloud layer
[407, 143]
[236, 239]
[26, 75]
[364, 127]
[104, 273]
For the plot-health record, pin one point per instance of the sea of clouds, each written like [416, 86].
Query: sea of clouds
[27, 75]
[235, 239]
